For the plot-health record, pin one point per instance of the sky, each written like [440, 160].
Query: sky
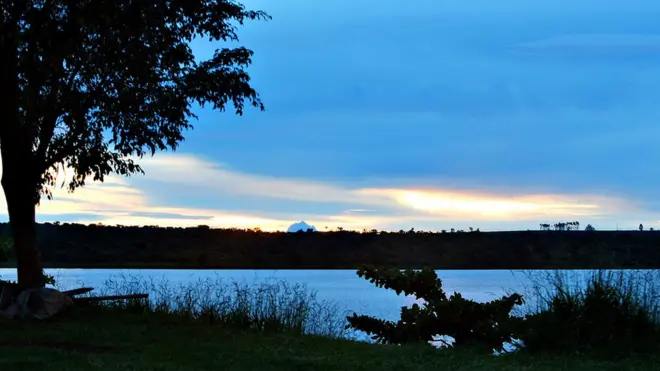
[426, 114]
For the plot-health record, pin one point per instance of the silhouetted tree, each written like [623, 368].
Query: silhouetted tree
[589, 228]
[641, 227]
[92, 85]
[563, 226]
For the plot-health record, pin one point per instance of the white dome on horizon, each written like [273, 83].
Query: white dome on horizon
[300, 226]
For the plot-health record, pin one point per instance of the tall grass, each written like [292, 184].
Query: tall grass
[640, 286]
[610, 312]
[267, 306]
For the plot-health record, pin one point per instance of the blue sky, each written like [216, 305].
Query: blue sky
[425, 114]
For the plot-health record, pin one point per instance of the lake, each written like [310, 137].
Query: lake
[342, 287]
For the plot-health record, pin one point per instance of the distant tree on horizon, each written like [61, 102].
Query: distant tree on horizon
[561, 226]
[92, 85]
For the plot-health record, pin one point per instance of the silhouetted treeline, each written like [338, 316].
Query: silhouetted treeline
[75, 245]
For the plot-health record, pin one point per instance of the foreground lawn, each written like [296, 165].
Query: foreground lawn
[122, 341]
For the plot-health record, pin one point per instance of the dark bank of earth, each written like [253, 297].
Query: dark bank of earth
[123, 341]
[75, 245]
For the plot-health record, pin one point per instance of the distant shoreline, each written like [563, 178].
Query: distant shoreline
[105, 247]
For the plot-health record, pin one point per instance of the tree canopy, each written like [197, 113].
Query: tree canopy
[91, 85]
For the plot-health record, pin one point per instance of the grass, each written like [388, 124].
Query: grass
[211, 324]
[639, 286]
[114, 339]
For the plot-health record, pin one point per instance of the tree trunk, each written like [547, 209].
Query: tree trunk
[21, 207]
[20, 178]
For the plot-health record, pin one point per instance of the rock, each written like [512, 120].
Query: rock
[6, 296]
[34, 303]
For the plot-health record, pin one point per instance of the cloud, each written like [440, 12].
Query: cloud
[192, 173]
[199, 175]
[450, 98]
[559, 148]
[596, 43]
[122, 201]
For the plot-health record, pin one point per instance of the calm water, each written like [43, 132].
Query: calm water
[342, 287]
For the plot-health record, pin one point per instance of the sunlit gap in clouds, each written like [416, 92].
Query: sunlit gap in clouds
[419, 201]
[126, 201]
[473, 205]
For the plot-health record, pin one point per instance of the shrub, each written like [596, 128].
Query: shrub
[482, 326]
[608, 313]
